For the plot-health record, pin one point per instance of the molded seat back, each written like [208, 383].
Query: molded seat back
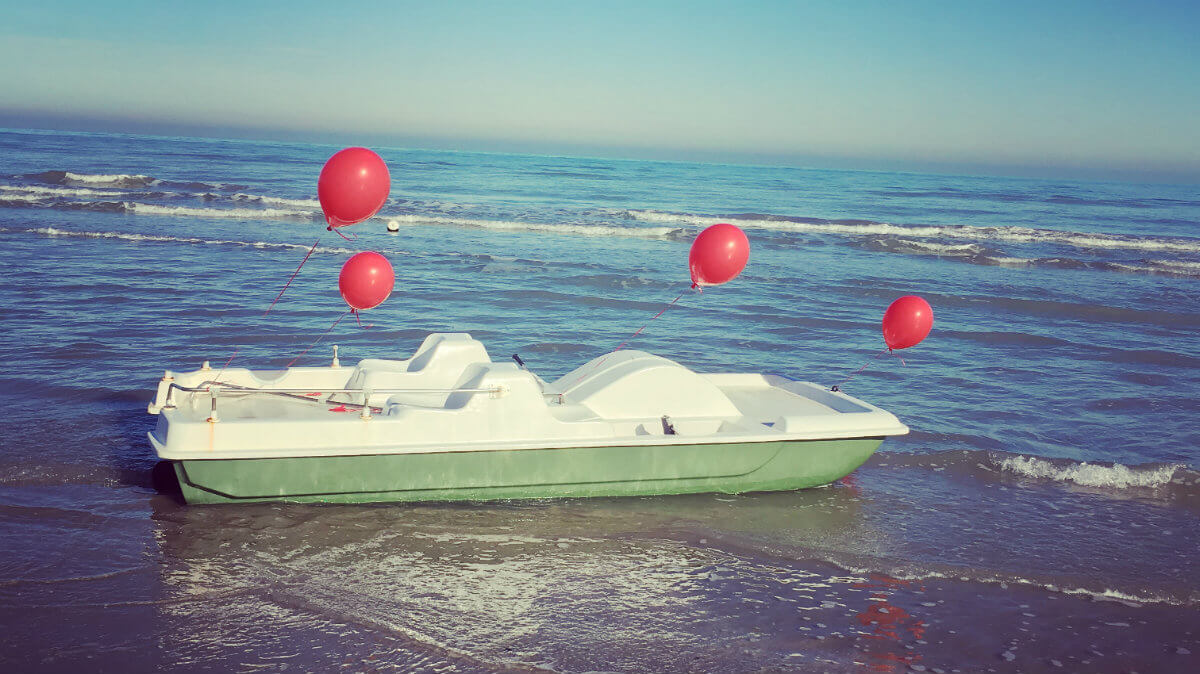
[438, 364]
[635, 384]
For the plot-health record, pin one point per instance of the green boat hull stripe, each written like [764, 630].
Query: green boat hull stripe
[526, 473]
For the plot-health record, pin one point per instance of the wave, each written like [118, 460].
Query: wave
[242, 213]
[1159, 267]
[276, 201]
[974, 253]
[559, 173]
[905, 246]
[162, 238]
[1115, 476]
[20, 199]
[91, 179]
[1014, 234]
[121, 180]
[128, 236]
[40, 192]
[1174, 481]
[907, 573]
[34, 201]
[552, 228]
[196, 185]
[137, 208]
[1009, 197]
[110, 200]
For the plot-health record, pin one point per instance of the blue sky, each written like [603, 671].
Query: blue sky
[1107, 89]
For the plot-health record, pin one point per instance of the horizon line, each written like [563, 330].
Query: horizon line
[30, 120]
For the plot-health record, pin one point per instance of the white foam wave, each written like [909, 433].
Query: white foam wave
[129, 236]
[243, 213]
[947, 249]
[1129, 268]
[1116, 476]
[27, 198]
[276, 201]
[1010, 261]
[1011, 234]
[58, 191]
[1177, 266]
[968, 576]
[1111, 595]
[671, 218]
[974, 252]
[1168, 267]
[115, 179]
[506, 225]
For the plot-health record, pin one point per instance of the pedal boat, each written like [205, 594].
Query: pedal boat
[451, 424]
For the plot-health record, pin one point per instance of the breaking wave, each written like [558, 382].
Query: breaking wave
[1167, 479]
[1166, 267]
[19, 199]
[905, 246]
[51, 192]
[126, 236]
[1115, 476]
[1082, 240]
[129, 199]
[552, 228]
[121, 180]
[137, 208]
[276, 201]
[974, 253]
[243, 213]
[906, 573]
[92, 179]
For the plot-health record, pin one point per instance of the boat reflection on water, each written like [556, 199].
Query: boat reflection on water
[666, 583]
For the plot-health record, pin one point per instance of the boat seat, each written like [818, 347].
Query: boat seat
[438, 364]
[635, 384]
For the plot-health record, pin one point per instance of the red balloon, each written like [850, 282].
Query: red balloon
[718, 255]
[366, 280]
[353, 186]
[906, 322]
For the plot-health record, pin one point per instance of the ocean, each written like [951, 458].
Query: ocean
[1041, 516]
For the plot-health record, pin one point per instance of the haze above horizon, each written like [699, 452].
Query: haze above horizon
[1067, 89]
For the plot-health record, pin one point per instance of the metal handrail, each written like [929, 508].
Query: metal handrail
[236, 388]
[215, 390]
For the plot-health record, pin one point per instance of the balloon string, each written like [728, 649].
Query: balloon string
[639, 330]
[273, 302]
[292, 277]
[356, 317]
[337, 231]
[854, 374]
[329, 330]
[217, 379]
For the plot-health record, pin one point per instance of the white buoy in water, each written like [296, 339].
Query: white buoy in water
[393, 226]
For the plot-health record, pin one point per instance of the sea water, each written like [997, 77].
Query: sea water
[1041, 516]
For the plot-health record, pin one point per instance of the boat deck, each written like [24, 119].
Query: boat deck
[451, 397]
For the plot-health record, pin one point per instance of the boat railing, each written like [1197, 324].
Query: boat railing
[216, 390]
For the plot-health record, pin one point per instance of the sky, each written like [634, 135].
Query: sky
[1053, 88]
